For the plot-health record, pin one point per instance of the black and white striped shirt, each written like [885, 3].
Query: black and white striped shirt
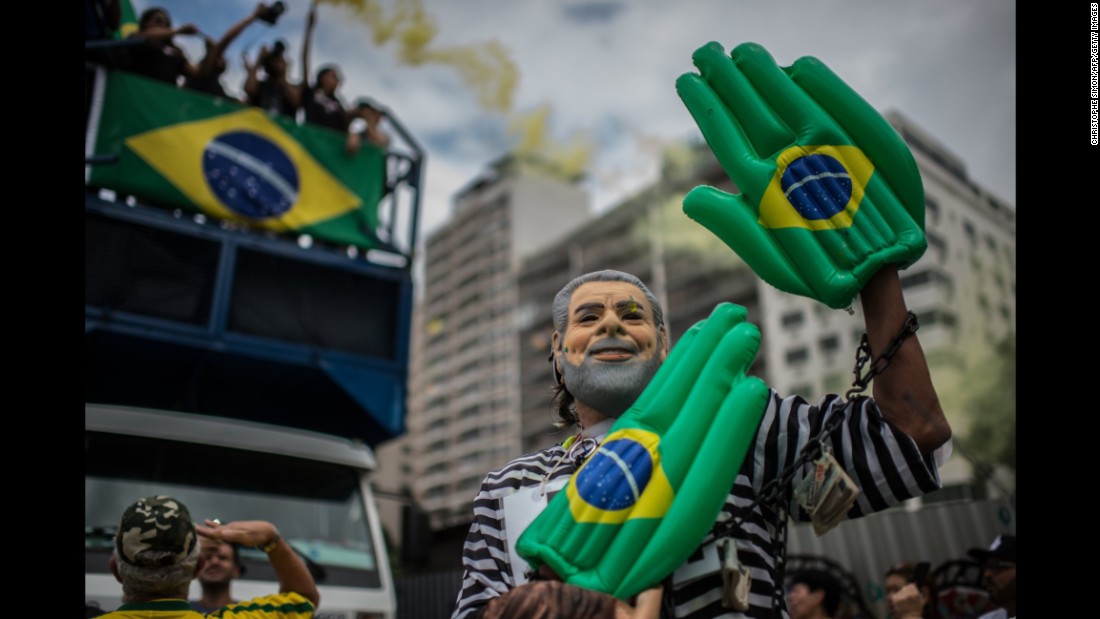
[882, 460]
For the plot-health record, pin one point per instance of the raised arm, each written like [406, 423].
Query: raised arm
[160, 34]
[311, 20]
[904, 390]
[217, 50]
[251, 80]
[831, 202]
[292, 572]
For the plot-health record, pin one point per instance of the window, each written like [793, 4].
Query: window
[793, 319]
[937, 317]
[798, 355]
[968, 228]
[937, 243]
[830, 344]
[924, 278]
[932, 208]
[912, 280]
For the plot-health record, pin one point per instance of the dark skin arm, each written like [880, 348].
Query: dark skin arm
[216, 50]
[311, 20]
[252, 80]
[159, 34]
[904, 391]
[289, 568]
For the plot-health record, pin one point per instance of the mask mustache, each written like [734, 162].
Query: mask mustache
[612, 344]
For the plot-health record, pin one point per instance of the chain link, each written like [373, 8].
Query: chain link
[778, 492]
[863, 355]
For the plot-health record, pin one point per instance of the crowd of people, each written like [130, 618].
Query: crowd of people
[914, 590]
[315, 99]
[811, 593]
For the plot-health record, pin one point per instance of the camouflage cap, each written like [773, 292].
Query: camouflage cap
[155, 524]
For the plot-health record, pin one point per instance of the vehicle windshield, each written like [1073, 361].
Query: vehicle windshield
[318, 507]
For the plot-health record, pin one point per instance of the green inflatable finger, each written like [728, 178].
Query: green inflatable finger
[830, 192]
[638, 508]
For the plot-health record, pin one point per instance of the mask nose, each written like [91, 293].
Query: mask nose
[611, 324]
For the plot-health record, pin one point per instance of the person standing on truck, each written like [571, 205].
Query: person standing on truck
[156, 556]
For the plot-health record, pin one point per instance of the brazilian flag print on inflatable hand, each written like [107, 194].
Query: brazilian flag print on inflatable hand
[829, 191]
[642, 503]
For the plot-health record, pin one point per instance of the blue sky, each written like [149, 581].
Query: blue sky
[604, 72]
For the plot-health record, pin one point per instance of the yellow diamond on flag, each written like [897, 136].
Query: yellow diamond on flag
[816, 187]
[623, 480]
[242, 166]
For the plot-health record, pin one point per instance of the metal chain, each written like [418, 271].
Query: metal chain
[779, 551]
[863, 355]
[777, 492]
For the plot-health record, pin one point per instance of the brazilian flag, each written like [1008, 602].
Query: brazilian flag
[127, 21]
[185, 149]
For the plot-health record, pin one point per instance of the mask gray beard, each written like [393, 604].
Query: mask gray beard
[610, 388]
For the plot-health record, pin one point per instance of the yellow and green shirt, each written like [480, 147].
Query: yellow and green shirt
[278, 606]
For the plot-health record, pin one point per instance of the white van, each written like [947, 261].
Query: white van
[314, 487]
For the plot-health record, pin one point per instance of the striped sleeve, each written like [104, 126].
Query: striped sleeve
[882, 460]
[486, 570]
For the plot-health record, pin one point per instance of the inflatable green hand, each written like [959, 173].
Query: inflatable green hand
[829, 191]
[638, 508]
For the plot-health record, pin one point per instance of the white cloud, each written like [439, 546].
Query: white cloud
[947, 65]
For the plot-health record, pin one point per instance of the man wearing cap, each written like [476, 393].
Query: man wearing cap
[157, 555]
[999, 572]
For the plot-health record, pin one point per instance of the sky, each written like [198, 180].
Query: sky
[592, 81]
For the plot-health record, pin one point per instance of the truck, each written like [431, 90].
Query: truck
[316, 488]
[248, 301]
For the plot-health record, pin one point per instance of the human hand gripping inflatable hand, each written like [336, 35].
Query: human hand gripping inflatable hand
[829, 191]
[638, 508]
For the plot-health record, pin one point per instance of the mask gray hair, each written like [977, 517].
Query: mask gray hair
[561, 300]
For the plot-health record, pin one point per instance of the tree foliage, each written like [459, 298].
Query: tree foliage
[992, 434]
